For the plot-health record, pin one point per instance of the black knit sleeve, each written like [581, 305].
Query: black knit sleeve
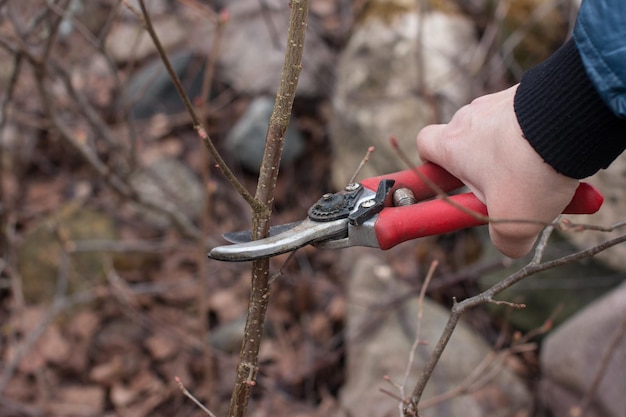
[564, 118]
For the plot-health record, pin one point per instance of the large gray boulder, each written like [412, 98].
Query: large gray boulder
[573, 354]
[252, 49]
[612, 183]
[400, 71]
[379, 340]
[246, 140]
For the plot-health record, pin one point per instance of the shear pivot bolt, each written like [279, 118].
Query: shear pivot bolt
[368, 203]
[353, 186]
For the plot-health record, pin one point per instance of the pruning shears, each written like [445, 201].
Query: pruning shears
[382, 212]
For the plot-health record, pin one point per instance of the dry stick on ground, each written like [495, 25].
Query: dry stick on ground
[532, 268]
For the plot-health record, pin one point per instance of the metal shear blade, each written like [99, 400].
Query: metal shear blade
[244, 236]
[303, 234]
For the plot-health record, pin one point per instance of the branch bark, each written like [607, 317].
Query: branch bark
[259, 294]
[532, 268]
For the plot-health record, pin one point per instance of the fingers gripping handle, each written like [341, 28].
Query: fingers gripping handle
[399, 224]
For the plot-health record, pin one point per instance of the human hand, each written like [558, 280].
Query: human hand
[484, 147]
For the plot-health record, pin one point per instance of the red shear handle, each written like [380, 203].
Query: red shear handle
[399, 224]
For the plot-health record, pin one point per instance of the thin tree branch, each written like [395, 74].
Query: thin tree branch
[259, 294]
[487, 296]
[197, 122]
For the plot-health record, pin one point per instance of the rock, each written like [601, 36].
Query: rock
[150, 90]
[252, 50]
[383, 88]
[168, 181]
[379, 342]
[129, 41]
[246, 140]
[572, 355]
[564, 290]
[229, 336]
[612, 183]
[40, 256]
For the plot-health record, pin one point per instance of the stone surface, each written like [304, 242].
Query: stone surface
[386, 85]
[150, 90]
[612, 183]
[572, 355]
[554, 294]
[131, 42]
[259, 29]
[40, 258]
[379, 343]
[246, 140]
[168, 181]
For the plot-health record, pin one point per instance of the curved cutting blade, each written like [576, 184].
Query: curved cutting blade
[298, 236]
[243, 236]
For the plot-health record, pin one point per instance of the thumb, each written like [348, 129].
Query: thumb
[511, 241]
[431, 143]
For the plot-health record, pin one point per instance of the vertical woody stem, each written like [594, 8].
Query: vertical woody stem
[259, 294]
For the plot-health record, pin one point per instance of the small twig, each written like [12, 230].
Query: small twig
[279, 273]
[197, 122]
[362, 164]
[542, 244]
[269, 23]
[487, 296]
[477, 62]
[206, 11]
[420, 314]
[484, 372]
[543, 329]
[508, 46]
[508, 304]
[122, 246]
[122, 187]
[189, 395]
[58, 304]
[203, 299]
[53, 31]
[393, 395]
